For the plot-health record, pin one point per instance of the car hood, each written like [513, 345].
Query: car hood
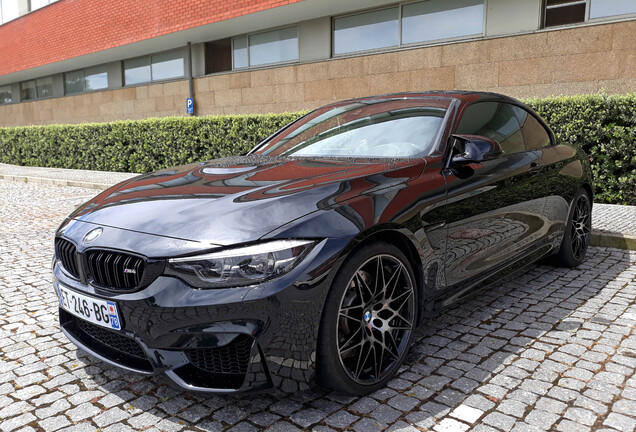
[239, 199]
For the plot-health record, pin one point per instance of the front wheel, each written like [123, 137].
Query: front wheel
[368, 320]
[577, 231]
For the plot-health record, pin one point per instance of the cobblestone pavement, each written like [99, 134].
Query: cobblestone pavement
[550, 349]
[609, 218]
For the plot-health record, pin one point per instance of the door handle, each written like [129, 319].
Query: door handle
[535, 168]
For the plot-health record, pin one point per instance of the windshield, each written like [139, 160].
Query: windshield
[397, 128]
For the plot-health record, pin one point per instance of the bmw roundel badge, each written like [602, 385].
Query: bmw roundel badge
[92, 235]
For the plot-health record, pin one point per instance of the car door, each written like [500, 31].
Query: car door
[494, 209]
[558, 174]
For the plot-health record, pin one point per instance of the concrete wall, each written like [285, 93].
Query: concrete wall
[577, 60]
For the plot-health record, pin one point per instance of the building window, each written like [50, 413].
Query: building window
[28, 91]
[74, 82]
[275, 46]
[5, 95]
[37, 4]
[167, 65]
[9, 10]
[91, 79]
[563, 12]
[37, 89]
[137, 71]
[239, 52]
[157, 67]
[439, 19]
[366, 31]
[411, 23]
[218, 56]
[609, 8]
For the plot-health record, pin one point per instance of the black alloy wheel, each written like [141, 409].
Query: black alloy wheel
[368, 321]
[578, 230]
[581, 227]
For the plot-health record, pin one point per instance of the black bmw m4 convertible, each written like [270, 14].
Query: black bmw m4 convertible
[314, 257]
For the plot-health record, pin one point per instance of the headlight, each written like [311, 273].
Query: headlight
[240, 266]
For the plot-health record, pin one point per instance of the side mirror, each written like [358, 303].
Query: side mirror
[475, 148]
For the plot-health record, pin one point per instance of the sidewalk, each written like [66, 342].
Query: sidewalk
[63, 177]
[612, 225]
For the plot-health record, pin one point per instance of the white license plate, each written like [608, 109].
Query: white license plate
[97, 311]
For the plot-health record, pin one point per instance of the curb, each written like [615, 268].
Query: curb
[613, 240]
[57, 182]
[598, 238]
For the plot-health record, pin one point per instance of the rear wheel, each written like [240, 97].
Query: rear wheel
[577, 232]
[368, 320]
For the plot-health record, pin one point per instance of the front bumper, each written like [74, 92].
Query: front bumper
[219, 340]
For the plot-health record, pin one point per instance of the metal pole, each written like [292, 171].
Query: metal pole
[190, 80]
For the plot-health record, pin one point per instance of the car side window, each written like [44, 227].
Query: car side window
[534, 134]
[494, 120]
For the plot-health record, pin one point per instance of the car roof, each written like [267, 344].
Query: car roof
[466, 96]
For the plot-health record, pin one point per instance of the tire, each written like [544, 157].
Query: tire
[576, 238]
[368, 320]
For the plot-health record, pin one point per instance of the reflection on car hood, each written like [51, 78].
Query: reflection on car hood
[238, 199]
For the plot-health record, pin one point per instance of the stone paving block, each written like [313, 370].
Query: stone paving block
[570, 426]
[111, 416]
[365, 405]
[306, 417]
[56, 407]
[451, 425]
[541, 419]
[16, 422]
[512, 407]
[144, 421]
[14, 409]
[620, 422]
[403, 402]
[368, 425]
[500, 421]
[51, 424]
[467, 414]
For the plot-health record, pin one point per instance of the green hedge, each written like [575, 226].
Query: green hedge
[603, 125]
[137, 146]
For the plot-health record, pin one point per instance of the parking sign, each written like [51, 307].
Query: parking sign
[190, 105]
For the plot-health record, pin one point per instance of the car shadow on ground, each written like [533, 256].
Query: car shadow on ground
[497, 353]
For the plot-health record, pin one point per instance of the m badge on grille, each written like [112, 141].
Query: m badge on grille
[133, 271]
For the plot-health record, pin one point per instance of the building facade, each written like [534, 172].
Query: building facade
[71, 61]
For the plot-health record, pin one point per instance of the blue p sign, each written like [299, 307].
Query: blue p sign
[190, 105]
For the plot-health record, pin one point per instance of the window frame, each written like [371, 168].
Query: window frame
[149, 57]
[460, 115]
[541, 122]
[35, 81]
[84, 90]
[586, 17]
[400, 45]
[266, 65]
[3, 10]
[361, 12]
[10, 87]
[28, 11]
